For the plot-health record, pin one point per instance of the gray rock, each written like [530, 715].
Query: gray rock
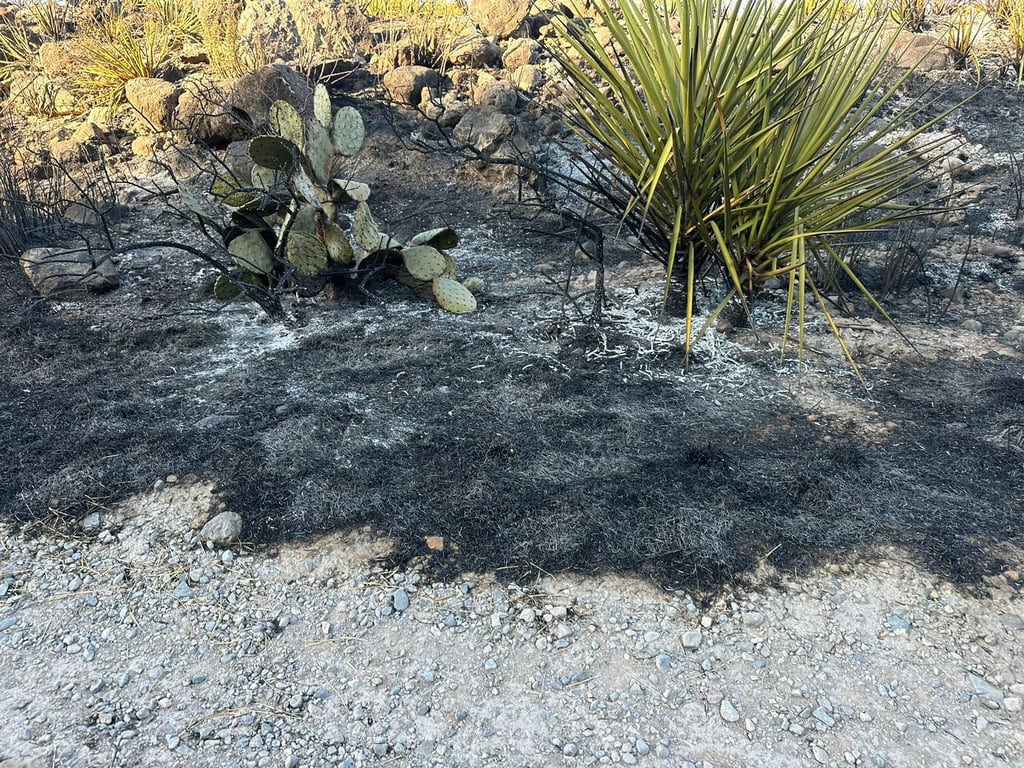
[492, 133]
[986, 691]
[68, 273]
[692, 640]
[663, 662]
[400, 599]
[223, 528]
[253, 94]
[823, 717]
[728, 712]
[753, 619]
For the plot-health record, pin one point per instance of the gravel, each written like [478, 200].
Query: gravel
[138, 643]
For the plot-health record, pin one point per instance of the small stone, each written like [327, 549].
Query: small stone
[823, 717]
[642, 747]
[75, 584]
[1012, 703]
[400, 599]
[981, 723]
[527, 616]
[663, 662]
[292, 761]
[728, 711]
[753, 619]
[183, 590]
[819, 754]
[570, 750]
[490, 664]
[223, 528]
[692, 640]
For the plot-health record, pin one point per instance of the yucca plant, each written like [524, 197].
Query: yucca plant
[112, 55]
[754, 138]
[1013, 34]
[912, 14]
[18, 49]
[962, 35]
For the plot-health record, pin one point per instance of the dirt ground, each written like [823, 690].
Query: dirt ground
[539, 445]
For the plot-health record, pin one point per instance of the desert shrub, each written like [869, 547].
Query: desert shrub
[748, 139]
[962, 36]
[912, 14]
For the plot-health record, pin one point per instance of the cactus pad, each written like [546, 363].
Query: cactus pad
[442, 238]
[307, 253]
[355, 190]
[348, 132]
[250, 251]
[225, 288]
[365, 232]
[287, 123]
[319, 151]
[423, 262]
[453, 296]
[339, 249]
[304, 187]
[264, 178]
[322, 105]
[274, 152]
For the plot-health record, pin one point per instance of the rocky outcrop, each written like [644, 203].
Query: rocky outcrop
[155, 101]
[499, 18]
[311, 31]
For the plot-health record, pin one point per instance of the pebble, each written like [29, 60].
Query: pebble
[400, 599]
[753, 619]
[692, 640]
[728, 712]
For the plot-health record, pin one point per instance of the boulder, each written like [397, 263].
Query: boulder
[490, 92]
[68, 272]
[155, 101]
[499, 19]
[920, 51]
[406, 84]
[202, 111]
[493, 134]
[473, 51]
[252, 94]
[311, 31]
[519, 52]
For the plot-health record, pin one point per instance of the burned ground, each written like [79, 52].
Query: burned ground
[530, 441]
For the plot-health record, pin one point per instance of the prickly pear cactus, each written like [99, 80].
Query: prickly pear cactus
[283, 223]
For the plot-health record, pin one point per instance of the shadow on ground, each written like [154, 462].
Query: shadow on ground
[432, 427]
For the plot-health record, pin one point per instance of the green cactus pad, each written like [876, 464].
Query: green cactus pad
[304, 220]
[354, 190]
[274, 152]
[348, 132]
[442, 238]
[339, 249]
[319, 151]
[453, 296]
[230, 191]
[264, 178]
[365, 232]
[322, 105]
[250, 251]
[287, 123]
[424, 262]
[225, 288]
[306, 253]
[304, 187]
